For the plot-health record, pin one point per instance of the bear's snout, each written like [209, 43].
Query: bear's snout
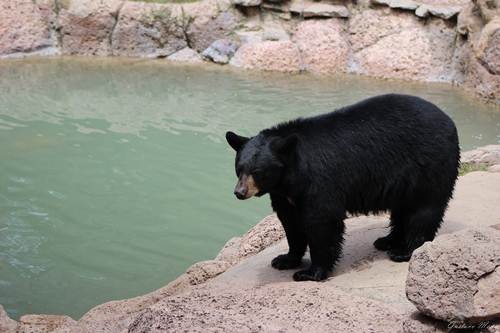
[245, 188]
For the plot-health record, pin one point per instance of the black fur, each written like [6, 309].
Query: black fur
[392, 153]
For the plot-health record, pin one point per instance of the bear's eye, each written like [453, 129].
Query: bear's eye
[256, 172]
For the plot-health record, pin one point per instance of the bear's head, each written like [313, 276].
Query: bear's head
[260, 162]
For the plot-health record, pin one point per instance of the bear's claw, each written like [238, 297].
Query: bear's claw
[399, 255]
[286, 261]
[311, 274]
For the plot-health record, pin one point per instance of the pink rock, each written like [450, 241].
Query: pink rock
[186, 55]
[47, 323]
[323, 45]
[87, 25]
[368, 26]
[422, 53]
[25, 26]
[278, 307]
[281, 56]
[147, 30]
[483, 71]
[457, 276]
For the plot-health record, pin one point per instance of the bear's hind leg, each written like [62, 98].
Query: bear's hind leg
[399, 218]
[422, 226]
[296, 237]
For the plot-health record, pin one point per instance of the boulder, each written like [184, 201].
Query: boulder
[280, 56]
[205, 270]
[367, 27]
[494, 168]
[414, 52]
[483, 156]
[279, 307]
[87, 26]
[220, 51]
[314, 9]
[264, 234]
[482, 74]
[25, 27]
[211, 21]
[148, 30]
[457, 276]
[323, 45]
[186, 55]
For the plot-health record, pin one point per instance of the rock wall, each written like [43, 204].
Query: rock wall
[453, 41]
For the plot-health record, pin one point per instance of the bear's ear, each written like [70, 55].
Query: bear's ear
[236, 141]
[285, 146]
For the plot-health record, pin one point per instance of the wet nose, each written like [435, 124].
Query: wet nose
[240, 192]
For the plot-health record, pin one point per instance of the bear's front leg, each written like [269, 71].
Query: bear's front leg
[325, 237]
[295, 235]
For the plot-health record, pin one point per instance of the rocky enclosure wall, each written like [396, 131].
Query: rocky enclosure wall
[454, 41]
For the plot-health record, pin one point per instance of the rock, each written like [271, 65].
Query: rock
[147, 30]
[312, 9]
[483, 156]
[494, 168]
[282, 56]
[247, 3]
[267, 232]
[210, 24]
[276, 6]
[249, 36]
[381, 2]
[487, 48]
[280, 307]
[468, 21]
[483, 83]
[87, 26]
[367, 27]
[25, 27]
[187, 55]
[7, 325]
[323, 45]
[275, 32]
[457, 276]
[47, 323]
[438, 11]
[221, 51]
[205, 270]
[422, 53]
[404, 4]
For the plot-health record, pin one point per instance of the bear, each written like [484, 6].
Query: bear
[390, 153]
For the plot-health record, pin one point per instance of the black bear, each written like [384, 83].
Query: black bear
[394, 153]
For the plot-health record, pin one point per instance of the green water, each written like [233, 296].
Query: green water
[115, 177]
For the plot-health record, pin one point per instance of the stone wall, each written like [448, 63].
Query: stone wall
[452, 41]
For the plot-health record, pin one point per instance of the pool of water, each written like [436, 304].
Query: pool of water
[115, 176]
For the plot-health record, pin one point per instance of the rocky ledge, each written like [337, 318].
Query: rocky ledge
[453, 41]
[452, 282]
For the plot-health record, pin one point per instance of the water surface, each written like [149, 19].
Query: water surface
[115, 177]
